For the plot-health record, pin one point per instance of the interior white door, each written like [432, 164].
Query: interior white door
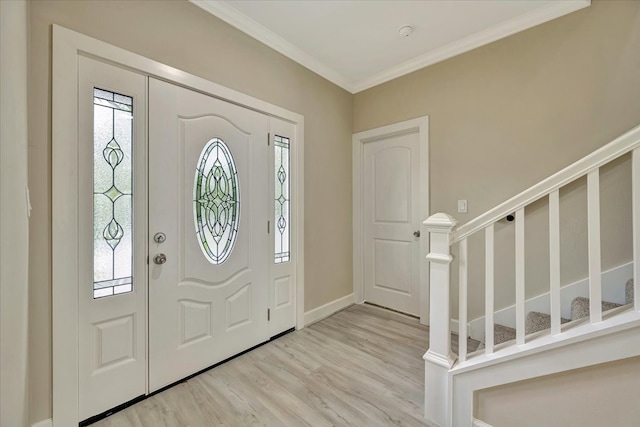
[209, 197]
[112, 228]
[391, 216]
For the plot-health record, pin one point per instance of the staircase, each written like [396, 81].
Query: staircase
[537, 321]
[542, 342]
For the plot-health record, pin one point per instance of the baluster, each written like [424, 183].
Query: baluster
[488, 290]
[462, 301]
[554, 260]
[593, 224]
[635, 177]
[520, 314]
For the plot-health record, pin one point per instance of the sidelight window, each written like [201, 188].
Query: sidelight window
[282, 200]
[112, 193]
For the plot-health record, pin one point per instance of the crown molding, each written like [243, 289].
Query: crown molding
[237, 19]
[242, 22]
[473, 41]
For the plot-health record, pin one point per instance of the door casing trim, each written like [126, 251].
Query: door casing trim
[68, 45]
[421, 126]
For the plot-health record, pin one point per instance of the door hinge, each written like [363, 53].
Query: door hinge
[268, 314]
[268, 227]
[147, 259]
[269, 138]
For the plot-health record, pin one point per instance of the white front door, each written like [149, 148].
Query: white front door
[114, 188]
[391, 216]
[208, 231]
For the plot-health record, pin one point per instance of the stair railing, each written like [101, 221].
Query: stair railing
[444, 233]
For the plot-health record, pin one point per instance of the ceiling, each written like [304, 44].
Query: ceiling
[357, 45]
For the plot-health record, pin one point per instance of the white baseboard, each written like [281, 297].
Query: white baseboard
[454, 326]
[328, 309]
[44, 423]
[613, 282]
[478, 423]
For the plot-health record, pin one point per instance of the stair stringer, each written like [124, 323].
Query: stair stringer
[588, 345]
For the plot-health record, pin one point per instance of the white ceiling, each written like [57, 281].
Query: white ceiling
[356, 44]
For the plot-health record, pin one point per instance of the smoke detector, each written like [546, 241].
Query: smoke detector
[405, 30]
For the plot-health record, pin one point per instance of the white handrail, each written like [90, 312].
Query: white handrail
[593, 161]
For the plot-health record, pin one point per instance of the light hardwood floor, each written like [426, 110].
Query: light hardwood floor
[360, 367]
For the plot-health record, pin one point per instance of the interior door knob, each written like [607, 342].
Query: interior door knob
[160, 259]
[416, 233]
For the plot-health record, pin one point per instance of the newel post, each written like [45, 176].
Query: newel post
[439, 358]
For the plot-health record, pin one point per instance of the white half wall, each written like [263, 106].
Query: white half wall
[14, 223]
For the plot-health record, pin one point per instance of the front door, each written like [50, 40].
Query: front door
[208, 231]
[392, 222]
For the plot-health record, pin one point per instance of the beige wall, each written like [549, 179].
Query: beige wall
[502, 117]
[506, 115]
[182, 35]
[606, 395]
[14, 224]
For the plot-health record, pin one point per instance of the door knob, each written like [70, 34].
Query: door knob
[160, 259]
[416, 233]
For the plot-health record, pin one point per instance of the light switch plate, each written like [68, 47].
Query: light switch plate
[462, 206]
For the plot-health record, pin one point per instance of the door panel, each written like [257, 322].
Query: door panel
[200, 312]
[391, 215]
[112, 329]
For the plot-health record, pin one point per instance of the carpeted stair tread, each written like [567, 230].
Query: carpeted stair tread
[580, 307]
[503, 334]
[628, 292]
[537, 321]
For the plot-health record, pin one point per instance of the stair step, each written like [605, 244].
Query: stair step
[580, 307]
[537, 321]
[503, 333]
[628, 292]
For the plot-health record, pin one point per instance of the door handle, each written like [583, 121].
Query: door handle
[160, 259]
[416, 233]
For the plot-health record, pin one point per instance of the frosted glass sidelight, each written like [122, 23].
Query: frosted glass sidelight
[112, 193]
[282, 200]
[216, 201]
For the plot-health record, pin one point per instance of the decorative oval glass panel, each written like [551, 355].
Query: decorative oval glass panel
[216, 201]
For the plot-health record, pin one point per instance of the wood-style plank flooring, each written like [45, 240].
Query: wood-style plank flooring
[360, 367]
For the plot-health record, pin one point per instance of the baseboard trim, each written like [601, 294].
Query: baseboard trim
[326, 310]
[43, 423]
[478, 423]
[454, 326]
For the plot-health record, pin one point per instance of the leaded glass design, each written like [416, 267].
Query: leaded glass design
[216, 201]
[282, 199]
[112, 193]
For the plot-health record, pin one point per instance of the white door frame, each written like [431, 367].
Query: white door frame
[421, 126]
[67, 47]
